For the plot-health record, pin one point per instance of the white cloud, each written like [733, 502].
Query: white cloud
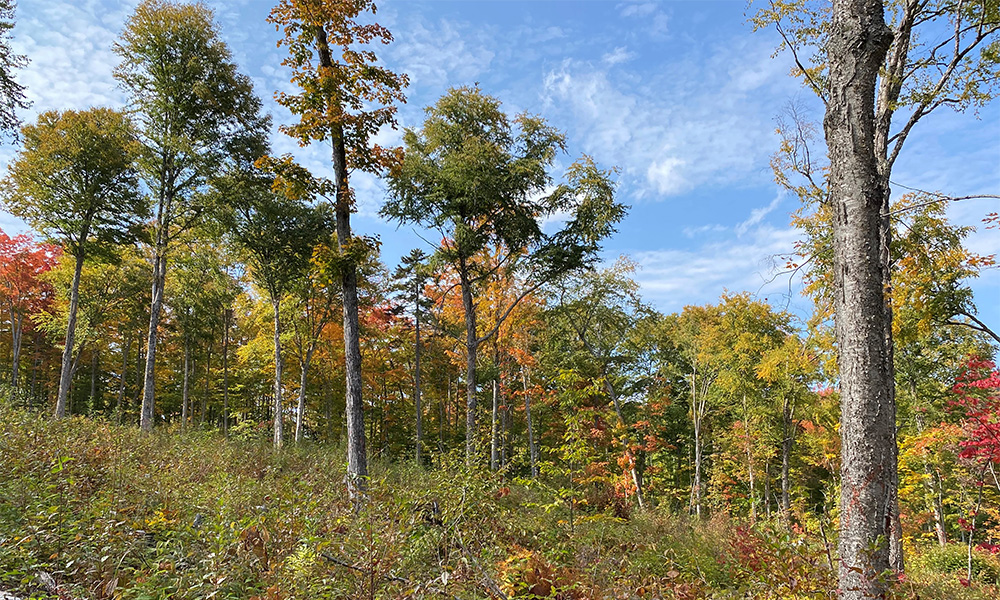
[617, 56]
[757, 215]
[673, 278]
[666, 175]
[435, 55]
[702, 120]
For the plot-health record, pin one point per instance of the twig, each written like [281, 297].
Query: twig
[388, 577]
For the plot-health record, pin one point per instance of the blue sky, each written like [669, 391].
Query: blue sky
[681, 96]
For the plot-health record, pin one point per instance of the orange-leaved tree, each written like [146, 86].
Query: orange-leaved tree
[345, 99]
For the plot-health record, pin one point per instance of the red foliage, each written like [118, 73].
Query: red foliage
[978, 391]
[22, 262]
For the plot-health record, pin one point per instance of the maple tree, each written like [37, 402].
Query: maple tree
[23, 292]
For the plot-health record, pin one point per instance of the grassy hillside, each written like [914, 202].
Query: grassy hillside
[108, 512]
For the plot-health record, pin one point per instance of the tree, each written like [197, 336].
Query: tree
[866, 72]
[479, 177]
[22, 290]
[11, 92]
[314, 305]
[410, 276]
[194, 113]
[76, 182]
[278, 234]
[592, 311]
[859, 40]
[345, 102]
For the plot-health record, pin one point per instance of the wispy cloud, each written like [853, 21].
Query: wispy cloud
[700, 121]
[617, 56]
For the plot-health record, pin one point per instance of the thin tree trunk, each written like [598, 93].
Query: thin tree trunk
[120, 404]
[279, 433]
[208, 383]
[187, 369]
[859, 40]
[532, 450]
[227, 315]
[16, 322]
[65, 372]
[146, 417]
[696, 420]
[494, 439]
[788, 438]
[471, 349]
[94, 365]
[303, 380]
[416, 379]
[749, 450]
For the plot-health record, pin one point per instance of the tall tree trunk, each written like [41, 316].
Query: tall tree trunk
[788, 438]
[185, 397]
[696, 421]
[749, 451]
[146, 417]
[227, 315]
[94, 365]
[208, 386]
[279, 433]
[416, 379]
[65, 370]
[303, 381]
[859, 40]
[471, 349]
[357, 459]
[532, 449]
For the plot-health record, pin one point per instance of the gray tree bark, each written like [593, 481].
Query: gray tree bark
[146, 416]
[66, 368]
[532, 449]
[858, 43]
[279, 431]
[357, 458]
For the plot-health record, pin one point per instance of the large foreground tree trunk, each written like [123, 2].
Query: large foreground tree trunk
[859, 40]
[357, 458]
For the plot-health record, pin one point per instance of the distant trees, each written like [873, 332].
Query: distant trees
[277, 235]
[76, 182]
[479, 178]
[23, 292]
[194, 111]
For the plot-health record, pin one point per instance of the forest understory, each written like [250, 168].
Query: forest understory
[90, 509]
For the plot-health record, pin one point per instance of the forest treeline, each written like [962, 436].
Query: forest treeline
[183, 277]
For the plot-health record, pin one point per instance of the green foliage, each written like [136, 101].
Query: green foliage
[11, 92]
[75, 181]
[953, 560]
